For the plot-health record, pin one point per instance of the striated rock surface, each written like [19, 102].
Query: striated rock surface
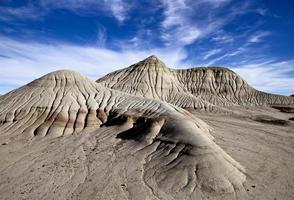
[202, 88]
[118, 146]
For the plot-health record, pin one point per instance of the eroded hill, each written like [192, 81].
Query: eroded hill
[202, 88]
[67, 137]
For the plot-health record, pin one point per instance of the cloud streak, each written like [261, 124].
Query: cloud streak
[271, 76]
[257, 37]
[176, 26]
[36, 10]
[210, 53]
[118, 8]
[188, 21]
[21, 62]
[184, 21]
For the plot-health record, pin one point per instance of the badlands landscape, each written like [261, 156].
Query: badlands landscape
[146, 132]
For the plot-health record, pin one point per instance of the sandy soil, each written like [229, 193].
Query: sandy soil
[265, 150]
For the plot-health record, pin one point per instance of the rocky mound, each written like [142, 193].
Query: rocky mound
[118, 146]
[196, 87]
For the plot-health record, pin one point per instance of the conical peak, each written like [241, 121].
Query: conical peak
[152, 58]
[151, 61]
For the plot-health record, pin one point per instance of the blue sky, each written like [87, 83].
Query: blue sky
[95, 37]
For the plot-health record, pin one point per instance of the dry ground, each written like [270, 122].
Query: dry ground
[266, 150]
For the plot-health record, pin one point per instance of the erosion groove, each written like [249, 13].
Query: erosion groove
[171, 152]
[202, 88]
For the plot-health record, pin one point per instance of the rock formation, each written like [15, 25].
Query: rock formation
[117, 145]
[188, 88]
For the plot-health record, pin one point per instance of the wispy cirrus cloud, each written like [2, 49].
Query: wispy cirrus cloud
[240, 49]
[36, 10]
[176, 24]
[119, 8]
[101, 37]
[225, 55]
[184, 21]
[210, 53]
[271, 76]
[21, 62]
[24, 12]
[258, 36]
[223, 38]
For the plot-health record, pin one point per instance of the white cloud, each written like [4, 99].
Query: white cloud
[118, 8]
[186, 21]
[181, 36]
[272, 76]
[21, 62]
[257, 37]
[101, 37]
[225, 55]
[177, 28]
[223, 38]
[28, 12]
[262, 11]
[173, 10]
[210, 53]
[34, 10]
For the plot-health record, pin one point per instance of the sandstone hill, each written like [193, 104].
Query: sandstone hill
[188, 88]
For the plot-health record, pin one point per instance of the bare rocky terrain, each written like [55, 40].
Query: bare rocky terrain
[146, 132]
